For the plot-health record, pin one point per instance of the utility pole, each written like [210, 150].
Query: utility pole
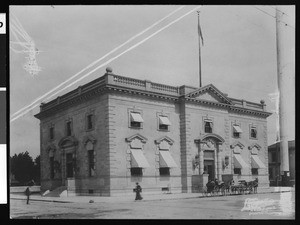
[284, 67]
[199, 36]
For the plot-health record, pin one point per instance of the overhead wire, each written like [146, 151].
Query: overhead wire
[98, 60]
[110, 60]
[281, 21]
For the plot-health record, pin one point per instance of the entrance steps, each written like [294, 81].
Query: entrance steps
[58, 192]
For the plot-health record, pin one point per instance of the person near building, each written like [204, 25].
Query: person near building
[138, 190]
[27, 193]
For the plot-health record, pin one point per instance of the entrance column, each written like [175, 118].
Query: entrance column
[62, 164]
[201, 159]
[219, 162]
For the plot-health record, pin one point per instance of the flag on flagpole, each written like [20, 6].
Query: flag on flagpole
[200, 32]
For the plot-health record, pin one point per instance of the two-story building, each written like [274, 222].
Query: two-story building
[104, 136]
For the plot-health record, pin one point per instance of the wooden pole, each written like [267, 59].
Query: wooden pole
[282, 61]
[200, 83]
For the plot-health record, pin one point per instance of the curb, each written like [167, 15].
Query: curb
[145, 200]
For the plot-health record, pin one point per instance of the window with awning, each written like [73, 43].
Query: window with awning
[138, 160]
[237, 131]
[136, 120]
[164, 120]
[136, 117]
[166, 160]
[239, 162]
[256, 162]
[164, 123]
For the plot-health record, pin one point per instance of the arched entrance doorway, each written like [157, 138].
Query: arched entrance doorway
[68, 146]
[209, 148]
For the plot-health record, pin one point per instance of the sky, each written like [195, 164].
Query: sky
[238, 55]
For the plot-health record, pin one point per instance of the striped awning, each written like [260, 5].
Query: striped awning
[138, 159]
[237, 129]
[166, 160]
[164, 120]
[256, 162]
[136, 117]
[239, 162]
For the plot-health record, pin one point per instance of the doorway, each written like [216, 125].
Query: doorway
[69, 164]
[209, 168]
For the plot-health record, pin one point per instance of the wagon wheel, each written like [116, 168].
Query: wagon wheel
[216, 190]
[223, 190]
[204, 192]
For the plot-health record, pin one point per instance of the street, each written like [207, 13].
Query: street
[255, 206]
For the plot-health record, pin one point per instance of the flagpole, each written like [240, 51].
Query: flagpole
[200, 83]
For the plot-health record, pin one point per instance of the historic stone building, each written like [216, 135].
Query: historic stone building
[104, 136]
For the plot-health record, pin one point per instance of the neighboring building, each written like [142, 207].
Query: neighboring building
[274, 163]
[104, 136]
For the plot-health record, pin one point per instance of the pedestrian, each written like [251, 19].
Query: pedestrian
[27, 193]
[138, 190]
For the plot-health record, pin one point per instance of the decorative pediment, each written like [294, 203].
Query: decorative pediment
[165, 138]
[51, 149]
[215, 138]
[254, 148]
[67, 141]
[136, 136]
[89, 138]
[209, 93]
[164, 142]
[136, 141]
[237, 147]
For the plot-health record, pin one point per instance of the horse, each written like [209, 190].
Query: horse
[254, 185]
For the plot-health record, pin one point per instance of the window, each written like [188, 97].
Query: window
[237, 171]
[69, 128]
[90, 122]
[253, 132]
[136, 171]
[274, 158]
[51, 132]
[236, 131]
[136, 120]
[254, 171]
[236, 134]
[208, 127]
[91, 162]
[164, 171]
[51, 167]
[164, 123]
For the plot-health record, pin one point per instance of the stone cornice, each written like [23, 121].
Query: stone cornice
[118, 84]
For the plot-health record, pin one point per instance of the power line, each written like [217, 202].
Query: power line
[108, 61]
[274, 17]
[279, 11]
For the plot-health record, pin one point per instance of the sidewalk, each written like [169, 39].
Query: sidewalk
[130, 198]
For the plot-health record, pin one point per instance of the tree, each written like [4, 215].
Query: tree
[21, 166]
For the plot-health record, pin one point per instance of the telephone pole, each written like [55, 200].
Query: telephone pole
[284, 70]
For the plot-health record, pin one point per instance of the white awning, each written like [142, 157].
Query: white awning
[239, 162]
[166, 160]
[256, 162]
[136, 117]
[164, 120]
[138, 159]
[237, 129]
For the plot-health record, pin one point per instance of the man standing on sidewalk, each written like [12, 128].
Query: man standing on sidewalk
[138, 190]
[27, 193]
